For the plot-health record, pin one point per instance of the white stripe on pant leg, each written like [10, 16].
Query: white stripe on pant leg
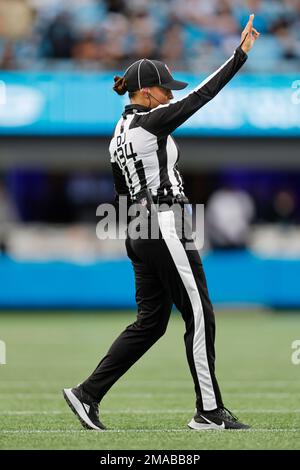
[167, 226]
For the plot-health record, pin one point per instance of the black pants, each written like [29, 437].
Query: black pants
[166, 273]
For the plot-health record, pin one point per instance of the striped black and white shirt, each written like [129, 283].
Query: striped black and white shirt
[143, 152]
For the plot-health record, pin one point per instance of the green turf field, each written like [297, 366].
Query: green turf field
[151, 405]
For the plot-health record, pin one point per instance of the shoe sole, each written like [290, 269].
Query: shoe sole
[206, 427]
[78, 409]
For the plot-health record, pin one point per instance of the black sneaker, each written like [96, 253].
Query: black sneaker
[84, 408]
[220, 419]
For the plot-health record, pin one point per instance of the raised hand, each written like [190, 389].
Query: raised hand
[249, 35]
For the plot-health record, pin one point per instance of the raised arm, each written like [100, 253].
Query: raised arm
[166, 118]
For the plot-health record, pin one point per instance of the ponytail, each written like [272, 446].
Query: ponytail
[120, 86]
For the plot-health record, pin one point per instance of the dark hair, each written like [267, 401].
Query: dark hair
[120, 86]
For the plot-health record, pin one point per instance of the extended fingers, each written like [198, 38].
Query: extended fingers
[249, 25]
[255, 33]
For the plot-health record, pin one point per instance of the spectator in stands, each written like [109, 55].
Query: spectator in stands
[172, 50]
[88, 48]
[115, 33]
[59, 38]
[7, 58]
[284, 207]
[16, 24]
[116, 6]
[228, 216]
[8, 215]
[288, 46]
[142, 34]
[112, 33]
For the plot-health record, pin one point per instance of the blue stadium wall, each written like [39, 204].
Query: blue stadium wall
[234, 278]
[82, 104]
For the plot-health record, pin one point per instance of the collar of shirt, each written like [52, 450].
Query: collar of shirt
[133, 108]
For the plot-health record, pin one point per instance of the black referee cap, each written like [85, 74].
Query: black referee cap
[146, 73]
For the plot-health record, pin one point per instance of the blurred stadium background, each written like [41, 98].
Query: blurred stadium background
[240, 157]
[240, 154]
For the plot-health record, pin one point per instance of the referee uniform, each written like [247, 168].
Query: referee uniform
[144, 156]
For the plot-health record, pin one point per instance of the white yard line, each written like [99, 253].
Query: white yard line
[137, 412]
[54, 396]
[168, 383]
[125, 431]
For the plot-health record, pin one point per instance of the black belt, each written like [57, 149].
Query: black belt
[170, 200]
[145, 197]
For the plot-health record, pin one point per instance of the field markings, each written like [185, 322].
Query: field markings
[148, 412]
[112, 431]
[55, 396]
[164, 383]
